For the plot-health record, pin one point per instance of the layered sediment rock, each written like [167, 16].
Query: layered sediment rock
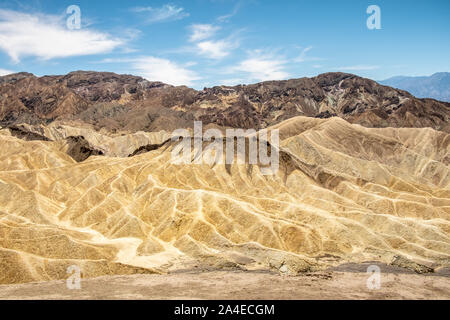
[344, 193]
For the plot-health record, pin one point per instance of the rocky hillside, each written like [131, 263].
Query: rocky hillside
[129, 103]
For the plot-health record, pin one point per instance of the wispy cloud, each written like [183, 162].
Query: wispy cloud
[227, 17]
[232, 82]
[46, 37]
[4, 72]
[302, 57]
[163, 14]
[158, 69]
[201, 32]
[216, 49]
[360, 67]
[263, 67]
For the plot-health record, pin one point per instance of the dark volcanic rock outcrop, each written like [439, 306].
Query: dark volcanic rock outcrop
[80, 149]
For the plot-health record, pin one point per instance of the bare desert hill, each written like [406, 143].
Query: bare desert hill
[344, 193]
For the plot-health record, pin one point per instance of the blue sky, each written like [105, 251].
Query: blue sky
[202, 43]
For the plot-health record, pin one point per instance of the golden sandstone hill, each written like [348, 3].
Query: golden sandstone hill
[86, 178]
[70, 195]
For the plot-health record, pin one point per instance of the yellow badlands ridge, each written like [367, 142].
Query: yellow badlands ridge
[344, 193]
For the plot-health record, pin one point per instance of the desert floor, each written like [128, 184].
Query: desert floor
[344, 282]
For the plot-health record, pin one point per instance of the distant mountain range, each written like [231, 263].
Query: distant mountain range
[436, 86]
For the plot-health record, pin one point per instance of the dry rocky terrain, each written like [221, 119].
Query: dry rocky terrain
[86, 179]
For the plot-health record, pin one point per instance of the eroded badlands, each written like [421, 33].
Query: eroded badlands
[344, 193]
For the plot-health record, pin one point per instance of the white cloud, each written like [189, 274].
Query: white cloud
[165, 13]
[231, 82]
[202, 31]
[263, 67]
[157, 69]
[46, 37]
[215, 49]
[4, 72]
[359, 67]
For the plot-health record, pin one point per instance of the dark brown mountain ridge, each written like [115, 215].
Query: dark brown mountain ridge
[130, 103]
